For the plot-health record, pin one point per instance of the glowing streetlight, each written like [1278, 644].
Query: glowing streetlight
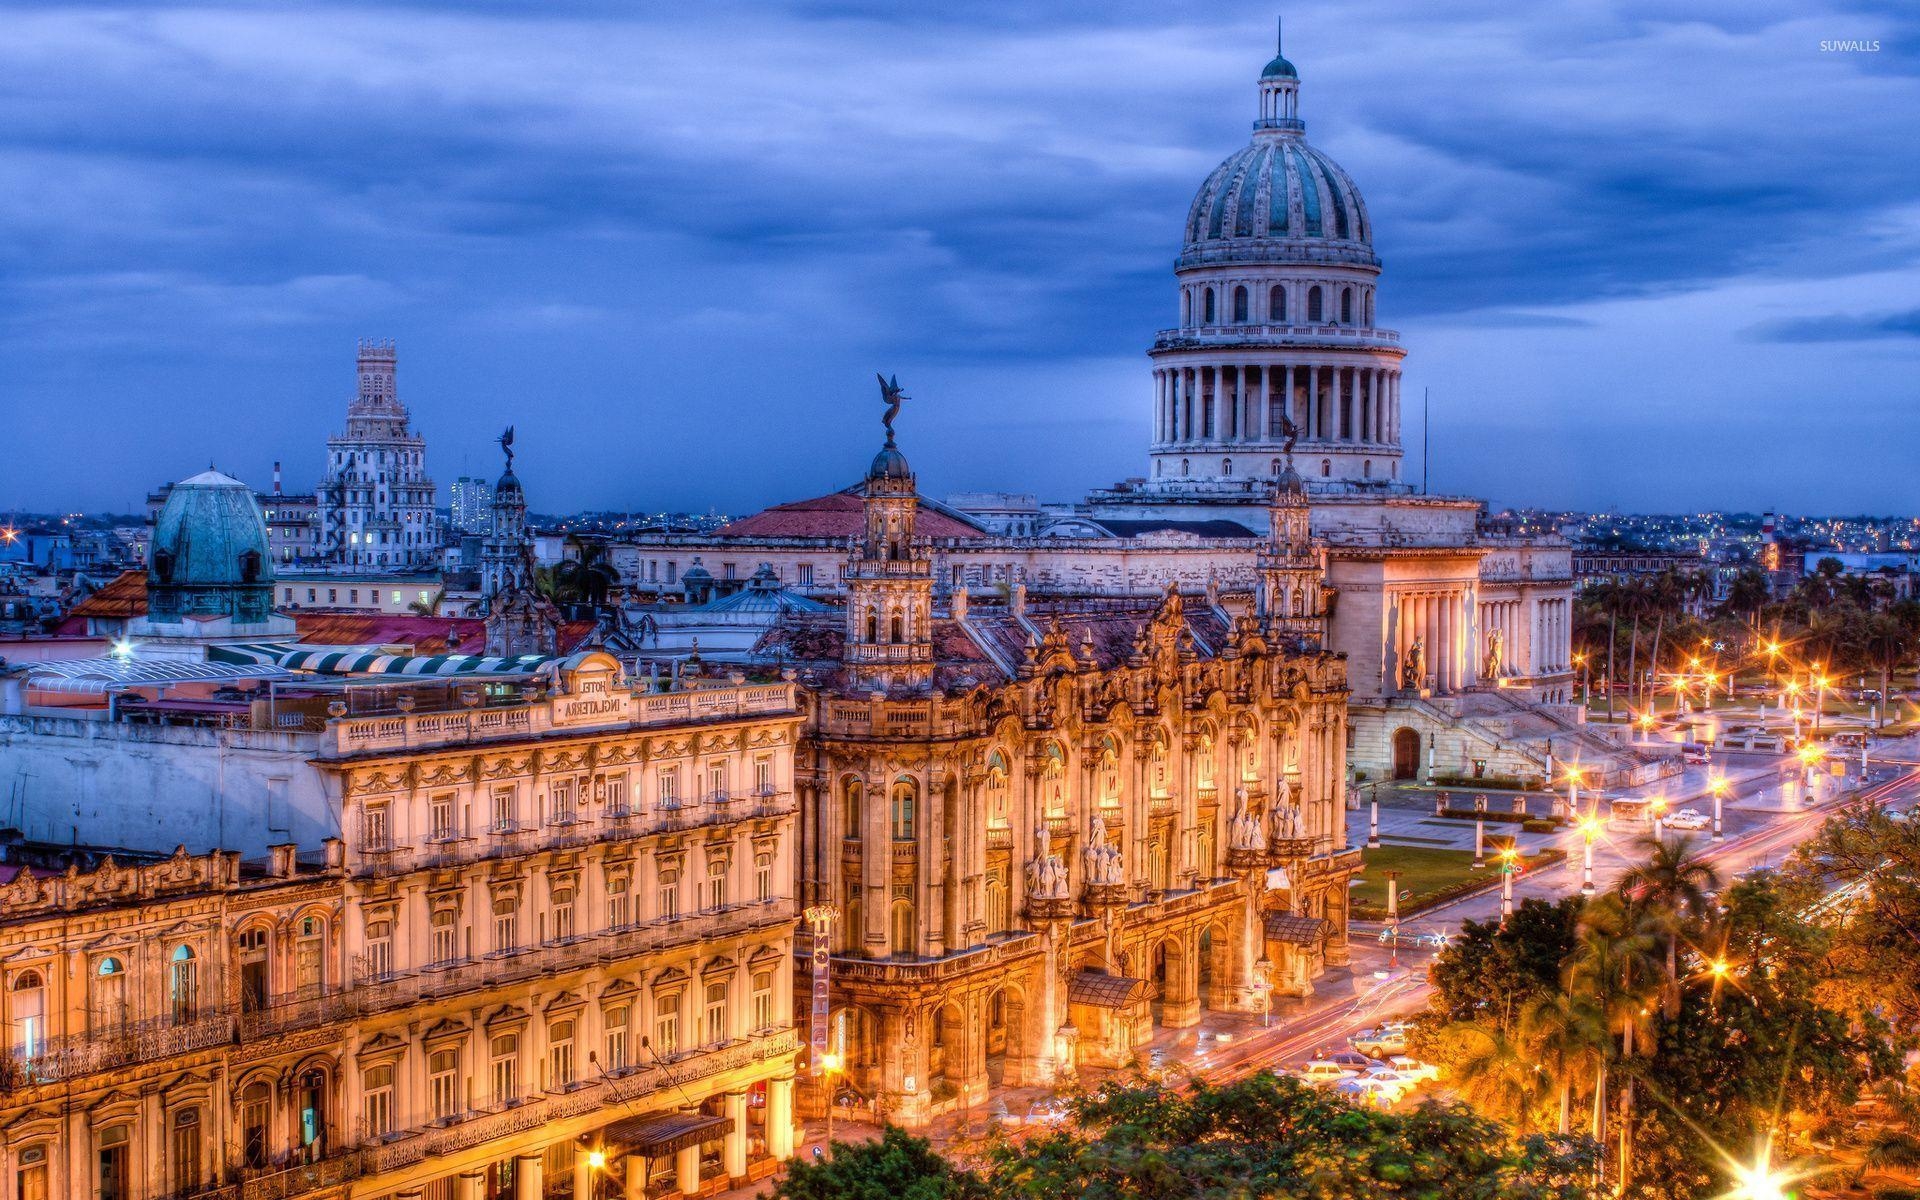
[1574, 775]
[829, 1066]
[1589, 828]
[597, 1159]
[1718, 787]
[1507, 857]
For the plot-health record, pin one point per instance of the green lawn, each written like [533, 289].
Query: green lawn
[1422, 870]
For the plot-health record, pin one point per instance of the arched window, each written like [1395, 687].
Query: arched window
[183, 985]
[1185, 468]
[1313, 305]
[1366, 468]
[184, 1152]
[897, 632]
[1326, 467]
[873, 628]
[1277, 304]
[110, 994]
[256, 1101]
[1208, 318]
[1367, 309]
[1186, 308]
[902, 927]
[1346, 306]
[1240, 305]
[850, 809]
[1226, 466]
[443, 946]
[29, 1012]
[905, 796]
[997, 908]
[1275, 468]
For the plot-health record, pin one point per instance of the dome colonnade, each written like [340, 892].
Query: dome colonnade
[1277, 282]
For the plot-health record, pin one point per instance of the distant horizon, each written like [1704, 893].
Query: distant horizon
[672, 251]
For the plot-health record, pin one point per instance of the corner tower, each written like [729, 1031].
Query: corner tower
[1277, 335]
[889, 634]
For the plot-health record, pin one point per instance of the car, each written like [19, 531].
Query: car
[1051, 1111]
[1408, 1065]
[1373, 1044]
[1687, 818]
[1367, 1091]
[1353, 1061]
[1401, 1082]
[1695, 754]
[1321, 1072]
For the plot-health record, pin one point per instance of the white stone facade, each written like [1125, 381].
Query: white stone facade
[375, 508]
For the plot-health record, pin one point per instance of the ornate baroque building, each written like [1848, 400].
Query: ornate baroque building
[1047, 827]
[375, 506]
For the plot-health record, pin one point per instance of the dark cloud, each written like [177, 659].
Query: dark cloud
[672, 243]
[1841, 329]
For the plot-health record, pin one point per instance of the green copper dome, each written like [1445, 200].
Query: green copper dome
[209, 553]
[1279, 68]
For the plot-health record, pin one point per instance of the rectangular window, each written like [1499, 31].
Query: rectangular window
[376, 828]
[353, 595]
[669, 894]
[503, 1069]
[805, 571]
[763, 878]
[560, 1055]
[333, 595]
[763, 1000]
[716, 781]
[616, 1026]
[504, 810]
[186, 1150]
[763, 775]
[716, 1014]
[506, 924]
[666, 1027]
[562, 907]
[616, 795]
[443, 1084]
[717, 885]
[619, 903]
[440, 817]
[726, 571]
[560, 802]
[376, 1101]
[379, 958]
[669, 787]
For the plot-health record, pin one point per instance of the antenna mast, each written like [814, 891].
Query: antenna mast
[1425, 435]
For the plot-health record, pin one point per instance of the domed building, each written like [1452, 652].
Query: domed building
[208, 563]
[1277, 346]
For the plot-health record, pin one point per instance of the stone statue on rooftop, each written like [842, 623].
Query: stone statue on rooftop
[891, 395]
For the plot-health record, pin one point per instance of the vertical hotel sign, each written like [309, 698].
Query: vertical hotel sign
[820, 920]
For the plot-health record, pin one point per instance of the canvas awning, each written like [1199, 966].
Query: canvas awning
[1295, 930]
[1101, 990]
[358, 660]
[660, 1134]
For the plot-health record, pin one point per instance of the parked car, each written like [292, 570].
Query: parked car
[1401, 1082]
[1409, 1065]
[1367, 1091]
[1354, 1061]
[1321, 1072]
[1688, 818]
[1695, 754]
[1378, 1043]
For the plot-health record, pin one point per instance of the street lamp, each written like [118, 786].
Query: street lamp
[1507, 858]
[1574, 776]
[1373, 818]
[829, 1066]
[1393, 920]
[1718, 787]
[1658, 805]
[1263, 980]
[1589, 828]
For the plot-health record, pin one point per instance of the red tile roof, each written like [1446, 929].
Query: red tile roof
[837, 515]
[427, 635]
[122, 598]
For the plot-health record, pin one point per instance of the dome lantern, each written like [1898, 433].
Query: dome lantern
[1279, 95]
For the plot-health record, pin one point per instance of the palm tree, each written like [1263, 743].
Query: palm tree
[1616, 969]
[1496, 1074]
[1670, 888]
[1567, 1036]
[431, 606]
[1894, 1148]
[585, 576]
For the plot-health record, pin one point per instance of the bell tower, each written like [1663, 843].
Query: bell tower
[1293, 565]
[889, 634]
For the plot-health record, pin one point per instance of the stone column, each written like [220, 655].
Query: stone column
[470, 1185]
[876, 864]
[686, 1170]
[529, 1181]
[780, 1117]
[636, 1185]
[734, 1154]
[1443, 650]
[1286, 395]
[582, 1174]
[1257, 406]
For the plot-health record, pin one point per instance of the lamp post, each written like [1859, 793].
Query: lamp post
[1718, 787]
[1574, 775]
[1659, 808]
[1393, 920]
[1263, 979]
[1507, 857]
[1373, 818]
[1479, 839]
[829, 1066]
[1589, 826]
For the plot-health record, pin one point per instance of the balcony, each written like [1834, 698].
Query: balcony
[507, 839]
[999, 837]
[607, 1092]
[282, 1182]
[301, 1009]
[905, 970]
[69, 1056]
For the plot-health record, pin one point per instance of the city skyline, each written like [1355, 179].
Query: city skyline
[1600, 286]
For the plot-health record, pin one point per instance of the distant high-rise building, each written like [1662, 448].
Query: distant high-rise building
[375, 507]
[472, 504]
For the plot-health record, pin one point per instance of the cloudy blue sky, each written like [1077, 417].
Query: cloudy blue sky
[1657, 254]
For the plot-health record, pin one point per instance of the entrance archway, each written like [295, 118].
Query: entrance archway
[1406, 753]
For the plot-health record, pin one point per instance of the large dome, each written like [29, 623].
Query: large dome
[1278, 188]
[209, 533]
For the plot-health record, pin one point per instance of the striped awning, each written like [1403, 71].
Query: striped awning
[251, 654]
[1101, 990]
[359, 660]
[661, 1134]
[1295, 930]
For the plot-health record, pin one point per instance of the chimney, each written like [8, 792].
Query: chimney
[335, 852]
[958, 603]
[282, 860]
[276, 478]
